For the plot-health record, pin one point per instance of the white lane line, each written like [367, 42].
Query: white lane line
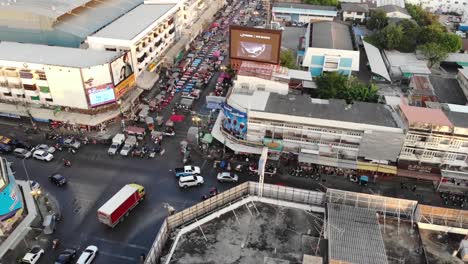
[117, 256]
[203, 165]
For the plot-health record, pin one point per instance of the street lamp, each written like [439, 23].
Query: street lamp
[30, 187]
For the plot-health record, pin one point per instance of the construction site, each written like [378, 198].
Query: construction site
[280, 225]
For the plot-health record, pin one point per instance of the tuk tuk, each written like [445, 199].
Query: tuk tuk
[170, 128]
[149, 122]
[138, 132]
[157, 136]
[143, 113]
[159, 120]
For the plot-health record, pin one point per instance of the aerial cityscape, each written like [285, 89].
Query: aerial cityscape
[233, 131]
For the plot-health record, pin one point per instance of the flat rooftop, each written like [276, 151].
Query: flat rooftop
[424, 115]
[304, 6]
[48, 8]
[134, 22]
[331, 35]
[277, 235]
[53, 55]
[448, 90]
[358, 112]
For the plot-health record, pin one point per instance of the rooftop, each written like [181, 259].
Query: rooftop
[304, 6]
[52, 55]
[134, 22]
[422, 85]
[393, 143]
[458, 119]
[355, 7]
[400, 3]
[376, 62]
[276, 234]
[448, 90]
[48, 8]
[401, 62]
[358, 112]
[393, 8]
[331, 35]
[424, 115]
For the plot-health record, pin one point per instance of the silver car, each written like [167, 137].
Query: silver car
[22, 153]
[227, 177]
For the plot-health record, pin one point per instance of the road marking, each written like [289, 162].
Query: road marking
[121, 244]
[117, 256]
[203, 165]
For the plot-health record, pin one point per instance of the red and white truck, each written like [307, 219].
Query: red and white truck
[114, 210]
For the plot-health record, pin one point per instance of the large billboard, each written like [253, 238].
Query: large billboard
[98, 85]
[122, 68]
[235, 122]
[255, 44]
[10, 197]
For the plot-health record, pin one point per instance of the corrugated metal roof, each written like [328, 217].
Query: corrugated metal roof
[424, 115]
[48, 8]
[331, 35]
[53, 55]
[376, 61]
[134, 22]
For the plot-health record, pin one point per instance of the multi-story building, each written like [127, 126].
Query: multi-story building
[145, 32]
[75, 86]
[354, 11]
[436, 6]
[435, 143]
[395, 11]
[329, 47]
[289, 12]
[322, 132]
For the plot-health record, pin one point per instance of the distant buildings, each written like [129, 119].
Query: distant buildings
[357, 12]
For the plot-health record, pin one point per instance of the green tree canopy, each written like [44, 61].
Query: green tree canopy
[322, 2]
[377, 20]
[434, 52]
[393, 35]
[421, 16]
[287, 59]
[333, 85]
[411, 32]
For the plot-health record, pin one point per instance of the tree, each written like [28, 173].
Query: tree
[411, 32]
[393, 35]
[421, 16]
[322, 2]
[450, 41]
[378, 20]
[338, 86]
[287, 59]
[434, 52]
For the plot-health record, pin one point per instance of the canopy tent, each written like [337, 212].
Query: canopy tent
[177, 118]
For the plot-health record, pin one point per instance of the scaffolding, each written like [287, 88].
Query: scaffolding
[442, 219]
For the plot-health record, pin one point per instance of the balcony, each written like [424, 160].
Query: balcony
[31, 92]
[17, 90]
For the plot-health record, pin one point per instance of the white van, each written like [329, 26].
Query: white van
[189, 181]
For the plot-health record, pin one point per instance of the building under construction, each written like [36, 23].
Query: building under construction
[253, 223]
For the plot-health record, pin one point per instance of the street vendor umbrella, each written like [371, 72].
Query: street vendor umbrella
[177, 118]
[216, 53]
[364, 178]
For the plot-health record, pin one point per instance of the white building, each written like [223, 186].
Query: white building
[394, 11]
[146, 32]
[324, 132]
[62, 84]
[329, 47]
[436, 6]
[354, 11]
[303, 12]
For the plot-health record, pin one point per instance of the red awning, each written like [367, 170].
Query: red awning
[418, 175]
[177, 118]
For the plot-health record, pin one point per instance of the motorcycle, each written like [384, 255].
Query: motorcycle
[55, 243]
[67, 163]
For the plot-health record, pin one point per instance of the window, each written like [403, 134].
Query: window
[35, 98]
[49, 100]
[42, 76]
[44, 89]
[26, 75]
[20, 96]
[111, 49]
[7, 94]
[359, 13]
[30, 87]
[245, 86]
[331, 63]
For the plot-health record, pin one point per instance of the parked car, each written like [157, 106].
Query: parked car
[88, 255]
[22, 153]
[58, 179]
[20, 144]
[71, 143]
[227, 177]
[33, 255]
[45, 147]
[189, 181]
[66, 256]
[4, 148]
[43, 155]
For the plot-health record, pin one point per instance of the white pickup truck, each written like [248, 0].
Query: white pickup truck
[187, 171]
[128, 146]
[117, 142]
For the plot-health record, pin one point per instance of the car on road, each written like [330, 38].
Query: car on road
[45, 147]
[4, 148]
[88, 255]
[66, 256]
[33, 255]
[43, 155]
[22, 153]
[71, 143]
[20, 144]
[58, 179]
[190, 181]
[227, 177]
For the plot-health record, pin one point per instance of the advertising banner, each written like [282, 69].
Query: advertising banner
[255, 44]
[124, 86]
[10, 200]
[122, 68]
[102, 94]
[235, 122]
[95, 76]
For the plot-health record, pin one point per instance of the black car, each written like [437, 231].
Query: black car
[66, 256]
[4, 148]
[20, 144]
[57, 179]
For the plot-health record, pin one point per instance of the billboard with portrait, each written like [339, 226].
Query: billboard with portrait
[255, 44]
[10, 199]
[235, 122]
[122, 68]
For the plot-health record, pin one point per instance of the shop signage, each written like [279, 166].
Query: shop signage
[124, 86]
[235, 121]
